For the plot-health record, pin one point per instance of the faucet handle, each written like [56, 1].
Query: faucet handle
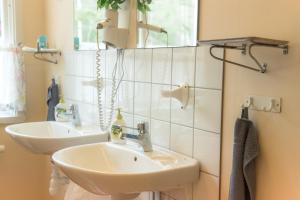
[141, 127]
[73, 107]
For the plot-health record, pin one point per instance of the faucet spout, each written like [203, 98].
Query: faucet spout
[75, 115]
[143, 138]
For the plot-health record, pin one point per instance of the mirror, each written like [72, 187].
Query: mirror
[178, 19]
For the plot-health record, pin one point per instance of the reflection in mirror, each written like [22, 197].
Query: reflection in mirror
[170, 23]
[86, 17]
[179, 18]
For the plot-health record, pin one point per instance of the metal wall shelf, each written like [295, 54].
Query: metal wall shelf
[39, 54]
[245, 45]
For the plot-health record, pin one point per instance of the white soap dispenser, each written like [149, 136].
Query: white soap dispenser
[116, 128]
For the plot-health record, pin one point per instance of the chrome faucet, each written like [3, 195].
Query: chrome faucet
[143, 138]
[75, 115]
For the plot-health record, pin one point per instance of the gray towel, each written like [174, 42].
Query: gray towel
[52, 100]
[245, 151]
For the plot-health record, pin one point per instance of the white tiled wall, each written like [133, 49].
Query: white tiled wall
[194, 131]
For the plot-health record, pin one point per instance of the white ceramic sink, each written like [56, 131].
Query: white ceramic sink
[116, 169]
[48, 137]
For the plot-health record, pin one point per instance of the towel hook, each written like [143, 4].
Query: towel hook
[265, 104]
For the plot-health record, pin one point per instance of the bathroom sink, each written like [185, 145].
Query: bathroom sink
[123, 169]
[48, 137]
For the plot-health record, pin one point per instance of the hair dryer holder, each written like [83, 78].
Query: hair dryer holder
[181, 94]
[115, 34]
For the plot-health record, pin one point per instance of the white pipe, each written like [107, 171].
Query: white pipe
[58, 182]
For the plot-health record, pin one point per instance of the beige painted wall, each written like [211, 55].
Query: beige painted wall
[278, 165]
[22, 174]
[278, 175]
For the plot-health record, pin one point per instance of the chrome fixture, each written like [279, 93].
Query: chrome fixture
[143, 137]
[245, 45]
[75, 115]
[41, 53]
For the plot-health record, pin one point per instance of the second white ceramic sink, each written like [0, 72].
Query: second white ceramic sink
[48, 137]
[115, 169]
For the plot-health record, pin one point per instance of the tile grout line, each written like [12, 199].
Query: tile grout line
[150, 112]
[133, 100]
[194, 108]
[170, 103]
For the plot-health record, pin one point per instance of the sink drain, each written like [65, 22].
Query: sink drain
[135, 159]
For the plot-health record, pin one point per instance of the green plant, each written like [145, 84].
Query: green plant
[109, 4]
[142, 5]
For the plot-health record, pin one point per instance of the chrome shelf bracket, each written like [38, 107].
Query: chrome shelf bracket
[261, 67]
[40, 56]
[246, 45]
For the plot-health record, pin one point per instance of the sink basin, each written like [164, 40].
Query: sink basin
[123, 169]
[48, 137]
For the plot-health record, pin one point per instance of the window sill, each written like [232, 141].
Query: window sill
[12, 120]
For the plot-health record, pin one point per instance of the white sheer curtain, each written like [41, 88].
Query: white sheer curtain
[12, 83]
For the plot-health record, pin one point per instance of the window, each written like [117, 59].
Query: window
[178, 17]
[86, 18]
[12, 88]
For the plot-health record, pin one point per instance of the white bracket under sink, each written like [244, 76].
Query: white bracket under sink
[265, 104]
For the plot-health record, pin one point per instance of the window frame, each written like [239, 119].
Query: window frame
[8, 38]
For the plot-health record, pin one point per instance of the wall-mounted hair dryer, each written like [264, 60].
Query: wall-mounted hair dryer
[150, 27]
[113, 35]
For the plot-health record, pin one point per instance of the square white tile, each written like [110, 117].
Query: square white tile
[87, 92]
[209, 71]
[182, 139]
[108, 94]
[160, 133]
[160, 107]
[208, 109]
[162, 65]
[207, 187]
[128, 118]
[69, 63]
[77, 67]
[87, 64]
[143, 58]
[207, 151]
[142, 99]
[72, 88]
[88, 114]
[183, 116]
[126, 96]
[183, 69]
[128, 65]
[111, 58]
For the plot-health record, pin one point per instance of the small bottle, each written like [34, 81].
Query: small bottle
[76, 43]
[116, 128]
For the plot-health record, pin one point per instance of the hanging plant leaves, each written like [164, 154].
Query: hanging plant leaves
[142, 5]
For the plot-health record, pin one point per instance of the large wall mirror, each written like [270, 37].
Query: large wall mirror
[178, 19]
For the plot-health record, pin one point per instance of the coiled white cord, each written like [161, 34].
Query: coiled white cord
[106, 123]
